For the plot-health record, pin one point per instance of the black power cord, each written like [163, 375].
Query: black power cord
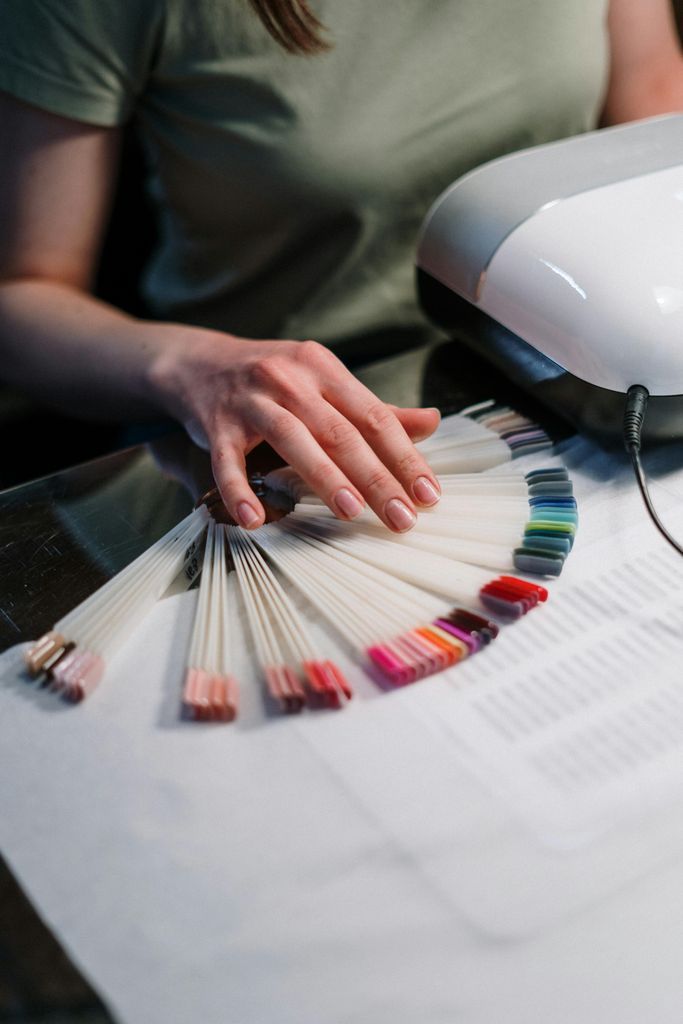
[634, 417]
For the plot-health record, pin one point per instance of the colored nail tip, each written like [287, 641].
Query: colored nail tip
[388, 664]
[433, 657]
[209, 696]
[273, 683]
[417, 664]
[56, 659]
[59, 671]
[523, 435]
[557, 546]
[546, 514]
[41, 650]
[554, 501]
[503, 609]
[469, 620]
[548, 473]
[223, 697]
[293, 687]
[314, 676]
[545, 548]
[538, 538]
[538, 564]
[472, 643]
[528, 449]
[328, 681]
[525, 586]
[284, 687]
[446, 643]
[548, 487]
[339, 678]
[78, 676]
[550, 526]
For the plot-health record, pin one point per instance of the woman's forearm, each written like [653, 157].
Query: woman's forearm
[79, 354]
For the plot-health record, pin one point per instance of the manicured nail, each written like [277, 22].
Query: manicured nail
[247, 515]
[399, 515]
[347, 503]
[425, 492]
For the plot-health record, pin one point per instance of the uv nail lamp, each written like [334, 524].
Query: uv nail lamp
[563, 264]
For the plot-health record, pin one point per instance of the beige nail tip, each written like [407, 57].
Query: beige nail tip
[43, 648]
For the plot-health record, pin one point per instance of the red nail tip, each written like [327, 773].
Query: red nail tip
[505, 593]
[526, 585]
[322, 683]
[339, 678]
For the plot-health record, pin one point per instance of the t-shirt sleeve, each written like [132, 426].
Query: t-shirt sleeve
[84, 59]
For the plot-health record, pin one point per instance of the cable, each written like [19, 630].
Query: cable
[634, 417]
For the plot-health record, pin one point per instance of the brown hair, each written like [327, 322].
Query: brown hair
[293, 25]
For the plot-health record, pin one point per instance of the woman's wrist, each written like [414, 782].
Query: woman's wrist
[180, 357]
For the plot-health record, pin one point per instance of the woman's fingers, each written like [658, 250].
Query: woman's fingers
[292, 439]
[380, 427]
[229, 472]
[348, 446]
[332, 457]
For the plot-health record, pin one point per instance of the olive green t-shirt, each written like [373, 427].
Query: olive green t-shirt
[291, 189]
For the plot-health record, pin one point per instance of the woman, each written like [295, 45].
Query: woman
[291, 189]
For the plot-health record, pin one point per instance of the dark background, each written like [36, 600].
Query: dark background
[40, 441]
[38, 984]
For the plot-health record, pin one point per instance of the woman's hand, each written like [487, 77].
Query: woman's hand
[90, 359]
[232, 393]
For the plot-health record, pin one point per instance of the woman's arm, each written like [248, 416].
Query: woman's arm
[57, 341]
[646, 65]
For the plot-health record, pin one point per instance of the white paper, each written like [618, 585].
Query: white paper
[401, 860]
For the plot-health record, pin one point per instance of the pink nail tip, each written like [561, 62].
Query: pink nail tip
[81, 675]
[389, 664]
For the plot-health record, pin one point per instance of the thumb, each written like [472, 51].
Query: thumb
[229, 472]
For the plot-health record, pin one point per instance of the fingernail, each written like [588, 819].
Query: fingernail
[347, 503]
[399, 515]
[247, 515]
[425, 492]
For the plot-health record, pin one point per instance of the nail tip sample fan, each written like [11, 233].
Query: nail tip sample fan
[407, 605]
